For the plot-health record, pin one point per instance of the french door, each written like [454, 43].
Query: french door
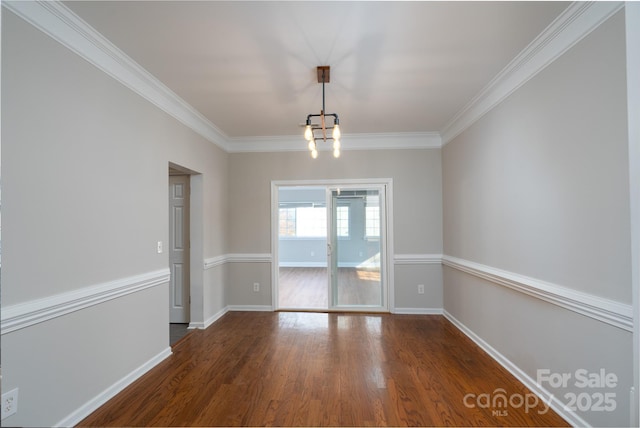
[356, 249]
[350, 273]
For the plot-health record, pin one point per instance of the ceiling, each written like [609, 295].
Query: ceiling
[250, 67]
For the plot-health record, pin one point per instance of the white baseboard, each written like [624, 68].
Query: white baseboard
[320, 264]
[235, 308]
[213, 318]
[303, 264]
[528, 381]
[250, 308]
[417, 311]
[92, 405]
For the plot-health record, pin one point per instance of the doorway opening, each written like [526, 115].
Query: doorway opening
[179, 250]
[330, 246]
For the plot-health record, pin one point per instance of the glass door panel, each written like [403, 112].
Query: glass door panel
[302, 248]
[356, 249]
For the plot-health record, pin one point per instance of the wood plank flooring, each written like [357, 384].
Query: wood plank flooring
[319, 369]
[307, 288]
[303, 288]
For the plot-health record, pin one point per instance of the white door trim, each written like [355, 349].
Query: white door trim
[196, 235]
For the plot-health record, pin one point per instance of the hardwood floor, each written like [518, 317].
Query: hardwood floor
[307, 288]
[303, 288]
[319, 369]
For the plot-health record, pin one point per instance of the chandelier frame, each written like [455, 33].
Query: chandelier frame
[324, 76]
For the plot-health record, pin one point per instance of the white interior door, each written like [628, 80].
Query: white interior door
[179, 248]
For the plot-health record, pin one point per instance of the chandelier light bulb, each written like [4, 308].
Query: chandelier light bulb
[324, 122]
[308, 133]
[336, 132]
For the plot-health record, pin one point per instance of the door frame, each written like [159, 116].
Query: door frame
[196, 236]
[387, 273]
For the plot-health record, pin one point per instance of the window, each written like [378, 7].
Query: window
[372, 222]
[311, 222]
[287, 223]
[303, 222]
[342, 221]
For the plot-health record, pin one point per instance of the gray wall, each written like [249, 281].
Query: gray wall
[85, 179]
[417, 212]
[539, 187]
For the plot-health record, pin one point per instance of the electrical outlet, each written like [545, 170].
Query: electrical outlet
[420, 288]
[9, 403]
[256, 286]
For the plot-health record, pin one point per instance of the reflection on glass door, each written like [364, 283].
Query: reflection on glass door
[356, 248]
[302, 248]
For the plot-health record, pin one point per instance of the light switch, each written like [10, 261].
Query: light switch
[159, 247]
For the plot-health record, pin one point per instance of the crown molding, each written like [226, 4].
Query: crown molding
[63, 25]
[380, 141]
[571, 26]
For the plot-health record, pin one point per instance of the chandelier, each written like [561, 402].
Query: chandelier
[322, 128]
